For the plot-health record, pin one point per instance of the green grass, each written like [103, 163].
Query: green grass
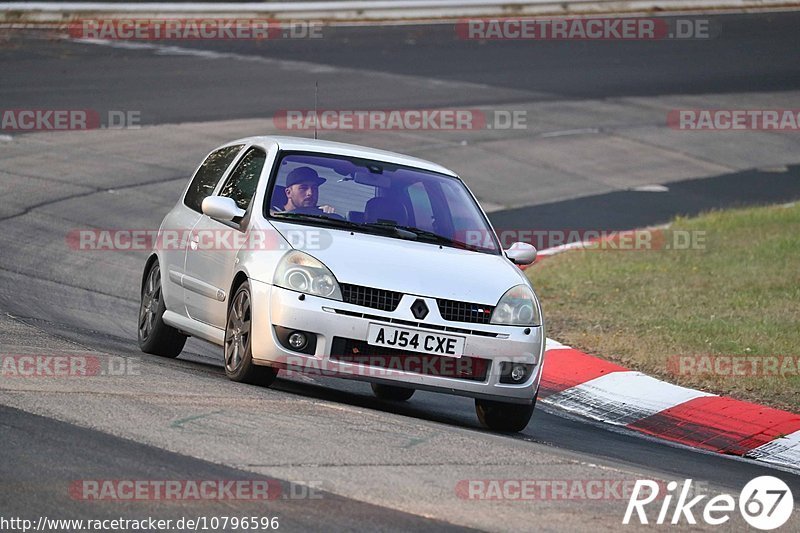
[736, 295]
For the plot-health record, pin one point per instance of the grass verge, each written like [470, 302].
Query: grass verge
[722, 314]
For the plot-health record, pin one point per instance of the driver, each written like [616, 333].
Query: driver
[302, 190]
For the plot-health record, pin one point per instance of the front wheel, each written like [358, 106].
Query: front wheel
[155, 336]
[238, 346]
[507, 417]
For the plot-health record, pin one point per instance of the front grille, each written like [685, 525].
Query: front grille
[369, 297]
[361, 353]
[465, 311]
[427, 325]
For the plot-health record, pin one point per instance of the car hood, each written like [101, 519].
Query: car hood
[410, 267]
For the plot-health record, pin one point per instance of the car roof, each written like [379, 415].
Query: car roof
[332, 147]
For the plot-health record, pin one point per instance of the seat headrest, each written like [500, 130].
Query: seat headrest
[385, 209]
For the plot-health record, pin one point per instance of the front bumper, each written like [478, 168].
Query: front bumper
[329, 319]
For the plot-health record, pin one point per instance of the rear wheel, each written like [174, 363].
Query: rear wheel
[389, 392]
[155, 336]
[501, 416]
[238, 346]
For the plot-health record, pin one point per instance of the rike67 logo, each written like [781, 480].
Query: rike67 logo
[765, 503]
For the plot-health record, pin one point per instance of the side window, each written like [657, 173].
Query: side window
[208, 176]
[421, 203]
[241, 184]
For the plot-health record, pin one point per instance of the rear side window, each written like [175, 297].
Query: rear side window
[241, 184]
[208, 175]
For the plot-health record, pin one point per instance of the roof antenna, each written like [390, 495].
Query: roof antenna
[316, 89]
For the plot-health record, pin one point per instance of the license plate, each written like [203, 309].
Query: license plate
[415, 341]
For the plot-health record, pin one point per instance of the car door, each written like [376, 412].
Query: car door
[176, 225]
[214, 244]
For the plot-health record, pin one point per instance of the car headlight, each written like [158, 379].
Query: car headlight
[517, 307]
[298, 271]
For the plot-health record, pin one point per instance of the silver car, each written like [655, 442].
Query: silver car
[321, 257]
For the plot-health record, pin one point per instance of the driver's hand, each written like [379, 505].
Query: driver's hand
[327, 208]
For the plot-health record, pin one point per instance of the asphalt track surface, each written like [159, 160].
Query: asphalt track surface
[621, 210]
[38, 445]
[74, 305]
[751, 53]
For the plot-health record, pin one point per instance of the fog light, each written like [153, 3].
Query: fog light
[297, 340]
[515, 373]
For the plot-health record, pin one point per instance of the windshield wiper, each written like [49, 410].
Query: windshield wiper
[403, 232]
[400, 231]
[310, 216]
[434, 237]
[344, 223]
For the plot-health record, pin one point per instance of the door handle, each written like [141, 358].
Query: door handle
[194, 242]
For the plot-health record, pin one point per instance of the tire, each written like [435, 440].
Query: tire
[238, 347]
[156, 337]
[506, 417]
[391, 393]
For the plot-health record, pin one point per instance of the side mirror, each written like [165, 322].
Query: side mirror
[522, 253]
[221, 208]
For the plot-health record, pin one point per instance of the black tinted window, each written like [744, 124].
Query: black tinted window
[208, 176]
[242, 182]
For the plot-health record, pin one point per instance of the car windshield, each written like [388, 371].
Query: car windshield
[378, 197]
